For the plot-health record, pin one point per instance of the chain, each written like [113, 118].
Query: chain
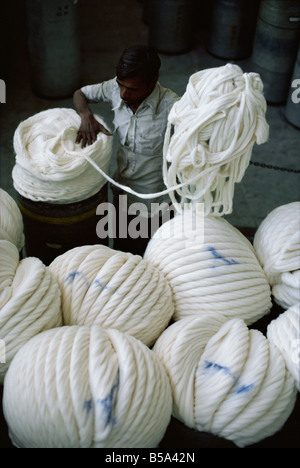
[268, 166]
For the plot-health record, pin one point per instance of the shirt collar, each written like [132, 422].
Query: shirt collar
[151, 100]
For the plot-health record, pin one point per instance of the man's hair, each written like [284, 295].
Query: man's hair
[139, 61]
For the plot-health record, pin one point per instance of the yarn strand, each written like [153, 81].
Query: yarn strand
[216, 124]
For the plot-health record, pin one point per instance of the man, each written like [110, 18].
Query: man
[141, 107]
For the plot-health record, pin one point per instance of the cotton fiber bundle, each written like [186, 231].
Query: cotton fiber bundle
[284, 332]
[29, 301]
[226, 379]
[210, 135]
[50, 165]
[86, 387]
[277, 244]
[11, 221]
[211, 272]
[114, 289]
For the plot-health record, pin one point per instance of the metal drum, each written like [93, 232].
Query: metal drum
[171, 25]
[292, 108]
[52, 229]
[54, 47]
[275, 46]
[232, 28]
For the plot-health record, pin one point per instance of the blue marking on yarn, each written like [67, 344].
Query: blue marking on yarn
[244, 388]
[101, 285]
[109, 402]
[72, 275]
[88, 405]
[105, 287]
[218, 256]
[76, 274]
[217, 367]
[237, 388]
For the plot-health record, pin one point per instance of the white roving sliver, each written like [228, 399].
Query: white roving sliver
[211, 272]
[86, 387]
[11, 221]
[287, 291]
[277, 244]
[209, 139]
[50, 165]
[284, 332]
[216, 123]
[29, 300]
[226, 379]
[113, 289]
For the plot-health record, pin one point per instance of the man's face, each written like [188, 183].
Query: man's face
[134, 90]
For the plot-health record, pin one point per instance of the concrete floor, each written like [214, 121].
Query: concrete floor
[106, 29]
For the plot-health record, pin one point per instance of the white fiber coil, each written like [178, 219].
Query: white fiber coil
[211, 268]
[29, 301]
[277, 244]
[11, 221]
[86, 387]
[50, 165]
[210, 135]
[226, 379]
[113, 289]
[284, 332]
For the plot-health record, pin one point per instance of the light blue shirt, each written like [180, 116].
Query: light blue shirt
[141, 137]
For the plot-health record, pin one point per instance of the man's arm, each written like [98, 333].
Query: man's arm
[89, 127]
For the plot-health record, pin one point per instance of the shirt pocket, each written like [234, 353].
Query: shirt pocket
[150, 137]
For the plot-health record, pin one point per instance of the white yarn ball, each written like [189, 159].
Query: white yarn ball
[284, 332]
[50, 165]
[29, 301]
[232, 382]
[86, 387]
[277, 244]
[216, 123]
[287, 291]
[11, 221]
[114, 289]
[217, 273]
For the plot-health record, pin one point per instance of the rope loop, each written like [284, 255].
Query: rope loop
[223, 111]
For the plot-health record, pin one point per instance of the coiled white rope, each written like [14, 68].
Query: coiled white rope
[287, 291]
[29, 301]
[226, 380]
[277, 244]
[50, 165]
[284, 332]
[244, 353]
[215, 281]
[209, 139]
[114, 289]
[178, 277]
[86, 387]
[216, 123]
[11, 221]
[215, 273]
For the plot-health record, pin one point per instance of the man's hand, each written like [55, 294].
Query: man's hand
[89, 129]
